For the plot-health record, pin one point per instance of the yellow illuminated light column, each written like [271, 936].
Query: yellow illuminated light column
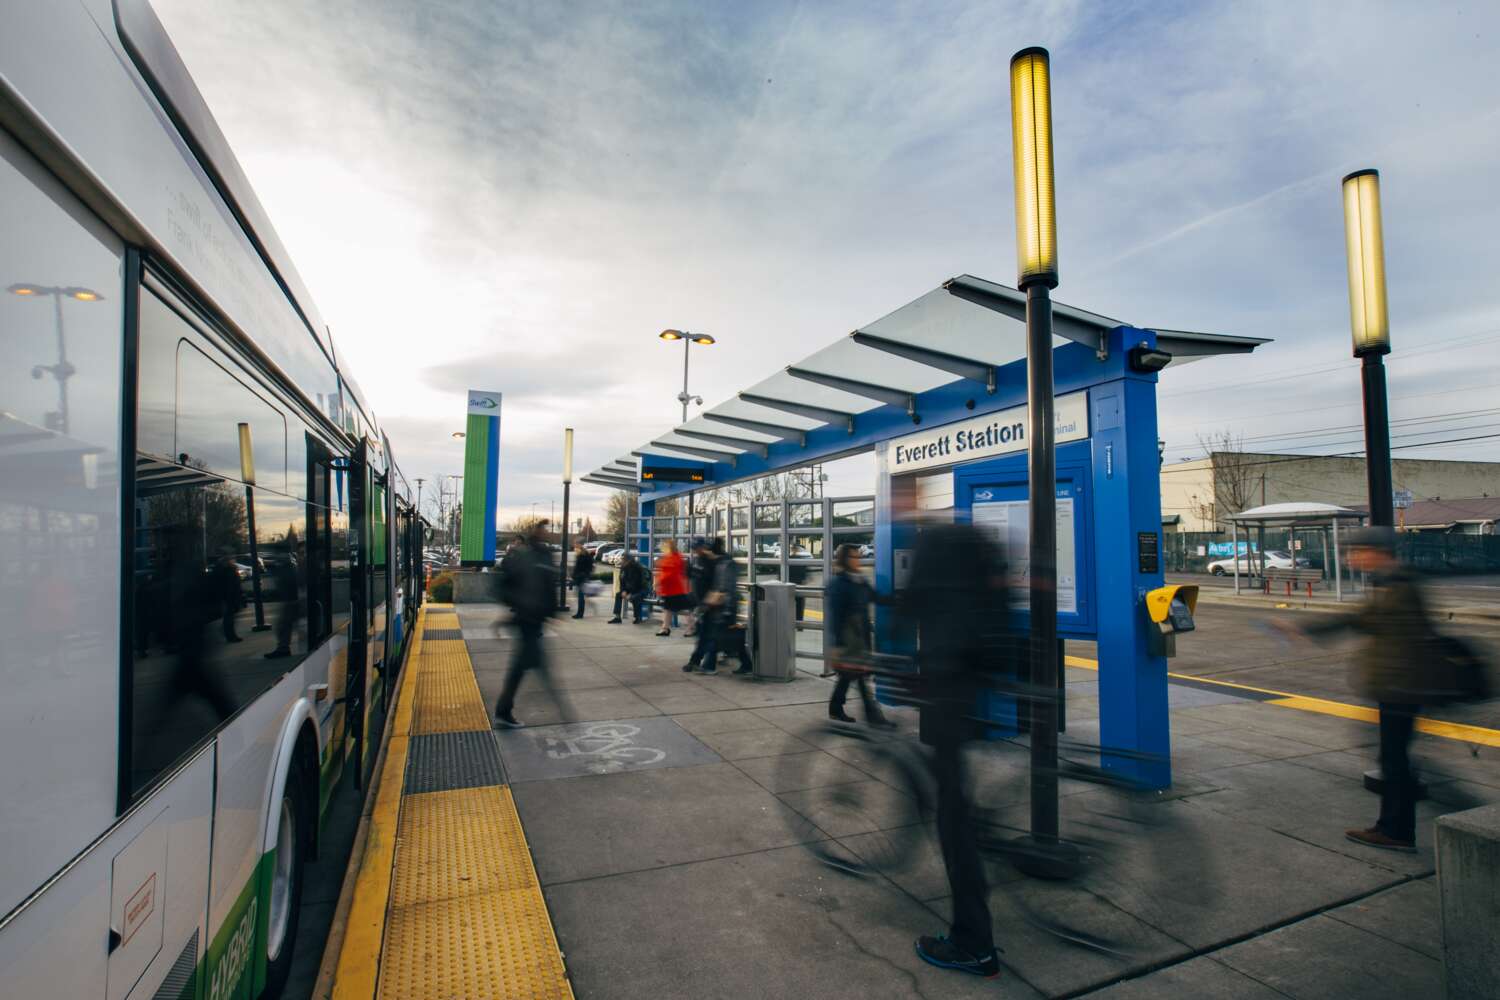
[1031, 136]
[1368, 320]
[1369, 323]
[1036, 265]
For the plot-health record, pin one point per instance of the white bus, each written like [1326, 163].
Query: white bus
[207, 553]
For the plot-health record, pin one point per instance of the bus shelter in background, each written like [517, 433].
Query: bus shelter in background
[1323, 518]
[937, 390]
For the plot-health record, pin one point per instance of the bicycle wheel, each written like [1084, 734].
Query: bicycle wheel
[868, 826]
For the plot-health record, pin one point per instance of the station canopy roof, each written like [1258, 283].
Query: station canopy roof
[1297, 513]
[966, 328]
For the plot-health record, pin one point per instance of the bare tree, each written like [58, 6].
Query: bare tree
[616, 509]
[1235, 473]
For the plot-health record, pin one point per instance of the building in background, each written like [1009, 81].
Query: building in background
[1197, 495]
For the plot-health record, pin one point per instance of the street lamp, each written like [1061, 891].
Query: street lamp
[1370, 325]
[1036, 266]
[63, 370]
[567, 478]
[688, 340]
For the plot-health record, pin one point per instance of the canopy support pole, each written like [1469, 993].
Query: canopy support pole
[1234, 551]
[1338, 572]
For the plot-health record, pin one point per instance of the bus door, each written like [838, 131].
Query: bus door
[356, 693]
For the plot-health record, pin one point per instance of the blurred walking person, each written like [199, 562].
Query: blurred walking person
[226, 581]
[846, 601]
[632, 589]
[1395, 667]
[583, 572]
[700, 578]
[286, 585]
[527, 587]
[957, 596]
[717, 631]
[671, 584]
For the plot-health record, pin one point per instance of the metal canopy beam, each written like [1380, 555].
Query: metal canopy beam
[1077, 325]
[823, 414]
[756, 448]
[968, 368]
[782, 431]
[612, 480]
[1186, 343]
[869, 390]
[615, 485]
[708, 453]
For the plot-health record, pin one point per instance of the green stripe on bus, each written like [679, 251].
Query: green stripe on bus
[235, 966]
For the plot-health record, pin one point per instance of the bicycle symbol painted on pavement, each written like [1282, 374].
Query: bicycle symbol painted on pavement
[610, 744]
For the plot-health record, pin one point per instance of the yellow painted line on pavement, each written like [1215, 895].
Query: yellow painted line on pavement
[1322, 706]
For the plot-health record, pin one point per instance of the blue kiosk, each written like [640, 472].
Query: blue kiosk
[937, 390]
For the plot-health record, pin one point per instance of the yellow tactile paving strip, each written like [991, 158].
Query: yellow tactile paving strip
[448, 703]
[460, 906]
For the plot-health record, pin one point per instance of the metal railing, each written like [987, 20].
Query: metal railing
[792, 541]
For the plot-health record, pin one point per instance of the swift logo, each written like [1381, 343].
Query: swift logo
[484, 401]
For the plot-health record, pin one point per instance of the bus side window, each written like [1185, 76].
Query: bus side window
[218, 576]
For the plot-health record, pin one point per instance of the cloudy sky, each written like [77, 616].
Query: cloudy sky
[519, 196]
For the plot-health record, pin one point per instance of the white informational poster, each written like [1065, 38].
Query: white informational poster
[1009, 523]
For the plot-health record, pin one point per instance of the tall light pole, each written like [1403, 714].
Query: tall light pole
[63, 369]
[1036, 263]
[1370, 325]
[688, 340]
[567, 477]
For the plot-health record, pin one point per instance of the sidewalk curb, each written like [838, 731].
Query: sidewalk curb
[338, 928]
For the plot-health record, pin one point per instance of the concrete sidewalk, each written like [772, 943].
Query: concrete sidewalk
[669, 824]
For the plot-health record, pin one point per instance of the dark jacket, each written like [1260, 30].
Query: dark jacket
[700, 576]
[726, 577]
[583, 567]
[958, 597]
[632, 577]
[1399, 642]
[847, 609]
[528, 583]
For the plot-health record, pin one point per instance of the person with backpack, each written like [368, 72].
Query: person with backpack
[632, 589]
[700, 576]
[717, 631]
[1402, 664]
[583, 571]
[528, 587]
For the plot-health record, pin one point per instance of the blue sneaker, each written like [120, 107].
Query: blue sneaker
[944, 954]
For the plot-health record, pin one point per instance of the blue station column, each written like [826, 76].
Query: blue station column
[1127, 531]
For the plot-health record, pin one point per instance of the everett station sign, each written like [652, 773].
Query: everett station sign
[984, 437]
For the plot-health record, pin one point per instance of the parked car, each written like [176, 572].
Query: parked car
[1250, 564]
[597, 544]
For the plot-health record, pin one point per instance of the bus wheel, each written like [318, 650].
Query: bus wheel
[285, 897]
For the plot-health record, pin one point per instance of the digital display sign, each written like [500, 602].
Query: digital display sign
[672, 474]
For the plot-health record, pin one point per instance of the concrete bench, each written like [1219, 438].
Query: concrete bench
[1468, 867]
[1292, 578]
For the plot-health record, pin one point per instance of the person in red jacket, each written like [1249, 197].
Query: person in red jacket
[671, 584]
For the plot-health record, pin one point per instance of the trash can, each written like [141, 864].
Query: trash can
[775, 630]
